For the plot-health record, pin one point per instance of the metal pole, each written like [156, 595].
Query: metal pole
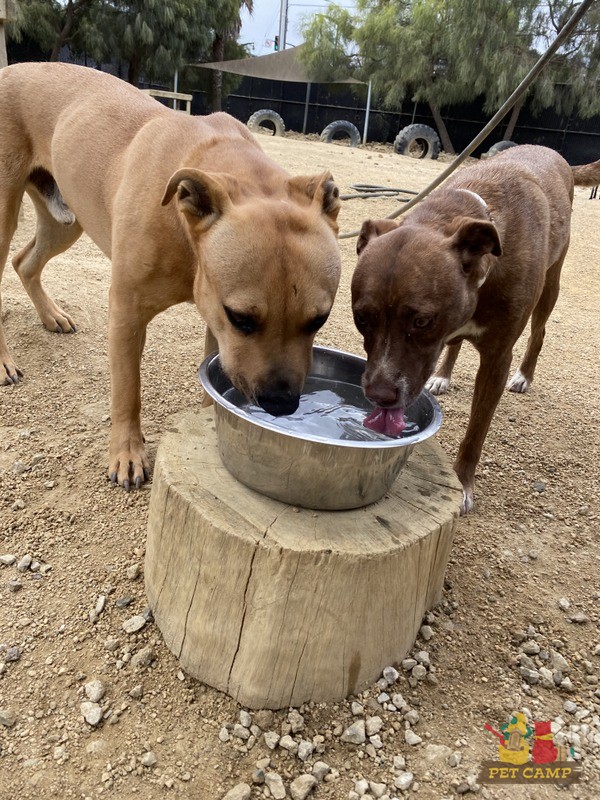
[175, 84]
[283, 22]
[306, 108]
[367, 112]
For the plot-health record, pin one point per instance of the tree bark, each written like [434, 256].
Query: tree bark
[512, 123]
[218, 53]
[447, 145]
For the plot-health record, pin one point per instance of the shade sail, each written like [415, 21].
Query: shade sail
[285, 65]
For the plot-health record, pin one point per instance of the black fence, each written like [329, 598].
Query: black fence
[576, 139]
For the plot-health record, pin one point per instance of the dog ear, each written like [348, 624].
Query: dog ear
[473, 239]
[201, 196]
[371, 229]
[320, 189]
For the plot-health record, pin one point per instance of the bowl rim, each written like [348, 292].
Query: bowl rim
[377, 444]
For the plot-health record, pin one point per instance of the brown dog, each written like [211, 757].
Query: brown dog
[254, 248]
[473, 261]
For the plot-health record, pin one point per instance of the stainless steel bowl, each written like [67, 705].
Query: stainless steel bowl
[304, 469]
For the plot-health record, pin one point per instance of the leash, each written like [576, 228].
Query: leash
[498, 116]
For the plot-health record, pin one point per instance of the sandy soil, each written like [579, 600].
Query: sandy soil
[532, 541]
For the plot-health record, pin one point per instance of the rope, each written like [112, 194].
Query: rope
[498, 116]
[370, 190]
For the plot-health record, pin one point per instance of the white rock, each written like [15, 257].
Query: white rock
[296, 720]
[355, 734]
[377, 789]
[357, 709]
[224, 735]
[240, 732]
[289, 744]
[391, 675]
[399, 763]
[320, 769]
[149, 759]
[437, 752]
[399, 701]
[361, 787]
[373, 725]
[245, 719]
[134, 624]
[302, 786]
[271, 739]
[426, 632]
[7, 718]
[274, 783]
[239, 792]
[404, 781]
[305, 749]
[410, 737]
[95, 690]
[91, 712]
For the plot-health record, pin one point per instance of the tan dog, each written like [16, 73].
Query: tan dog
[254, 248]
[473, 261]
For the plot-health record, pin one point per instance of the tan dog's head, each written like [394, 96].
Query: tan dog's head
[268, 271]
[413, 286]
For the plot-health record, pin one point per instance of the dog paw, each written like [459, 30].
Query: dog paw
[129, 469]
[9, 372]
[518, 383]
[56, 320]
[437, 385]
[467, 503]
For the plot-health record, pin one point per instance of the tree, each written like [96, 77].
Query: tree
[154, 37]
[225, 23]
[50, 23]
[445, 52]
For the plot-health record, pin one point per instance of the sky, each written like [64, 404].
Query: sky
[260, 29]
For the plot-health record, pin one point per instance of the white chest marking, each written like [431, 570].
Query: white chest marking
[470, 330]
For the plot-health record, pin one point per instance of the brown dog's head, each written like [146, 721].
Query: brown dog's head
[413, 286]
[268, 271]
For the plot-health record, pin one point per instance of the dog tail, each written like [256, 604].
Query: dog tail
[587, 174]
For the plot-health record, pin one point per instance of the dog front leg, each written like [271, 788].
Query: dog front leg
[489, 385]
[128, 464]
[440, 380]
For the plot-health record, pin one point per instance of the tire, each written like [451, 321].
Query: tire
[266, 120]
[499, 147]
[341, 126]
[418, 141]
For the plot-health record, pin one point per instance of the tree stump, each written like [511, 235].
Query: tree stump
[277, 605]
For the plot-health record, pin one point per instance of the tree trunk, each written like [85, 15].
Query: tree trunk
[133, 72]
[63, 34]
[218, 53]
[512, 123]
[447, 145]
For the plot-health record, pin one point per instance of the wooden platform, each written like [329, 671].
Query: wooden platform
[277, 605]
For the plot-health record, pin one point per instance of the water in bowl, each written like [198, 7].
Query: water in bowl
[329, 409]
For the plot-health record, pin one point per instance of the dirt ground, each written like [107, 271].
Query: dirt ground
[532, 541]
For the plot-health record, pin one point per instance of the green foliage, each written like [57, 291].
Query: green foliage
[155, 37]
[445, 52]
[328, 51]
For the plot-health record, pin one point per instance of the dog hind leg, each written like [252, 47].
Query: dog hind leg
[51, 238]
[440, 380]
[521, 380]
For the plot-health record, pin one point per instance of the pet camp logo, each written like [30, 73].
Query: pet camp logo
[529, 755]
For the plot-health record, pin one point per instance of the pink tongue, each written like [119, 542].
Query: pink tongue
[389, 421]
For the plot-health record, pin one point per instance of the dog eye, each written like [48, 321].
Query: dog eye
[359, 320]
[316, 323]
[422, 322]
[242, 322]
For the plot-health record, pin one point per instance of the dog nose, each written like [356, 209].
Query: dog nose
[382, 394]
[279, 403]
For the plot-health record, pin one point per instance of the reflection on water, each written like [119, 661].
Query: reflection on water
[329, 409]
